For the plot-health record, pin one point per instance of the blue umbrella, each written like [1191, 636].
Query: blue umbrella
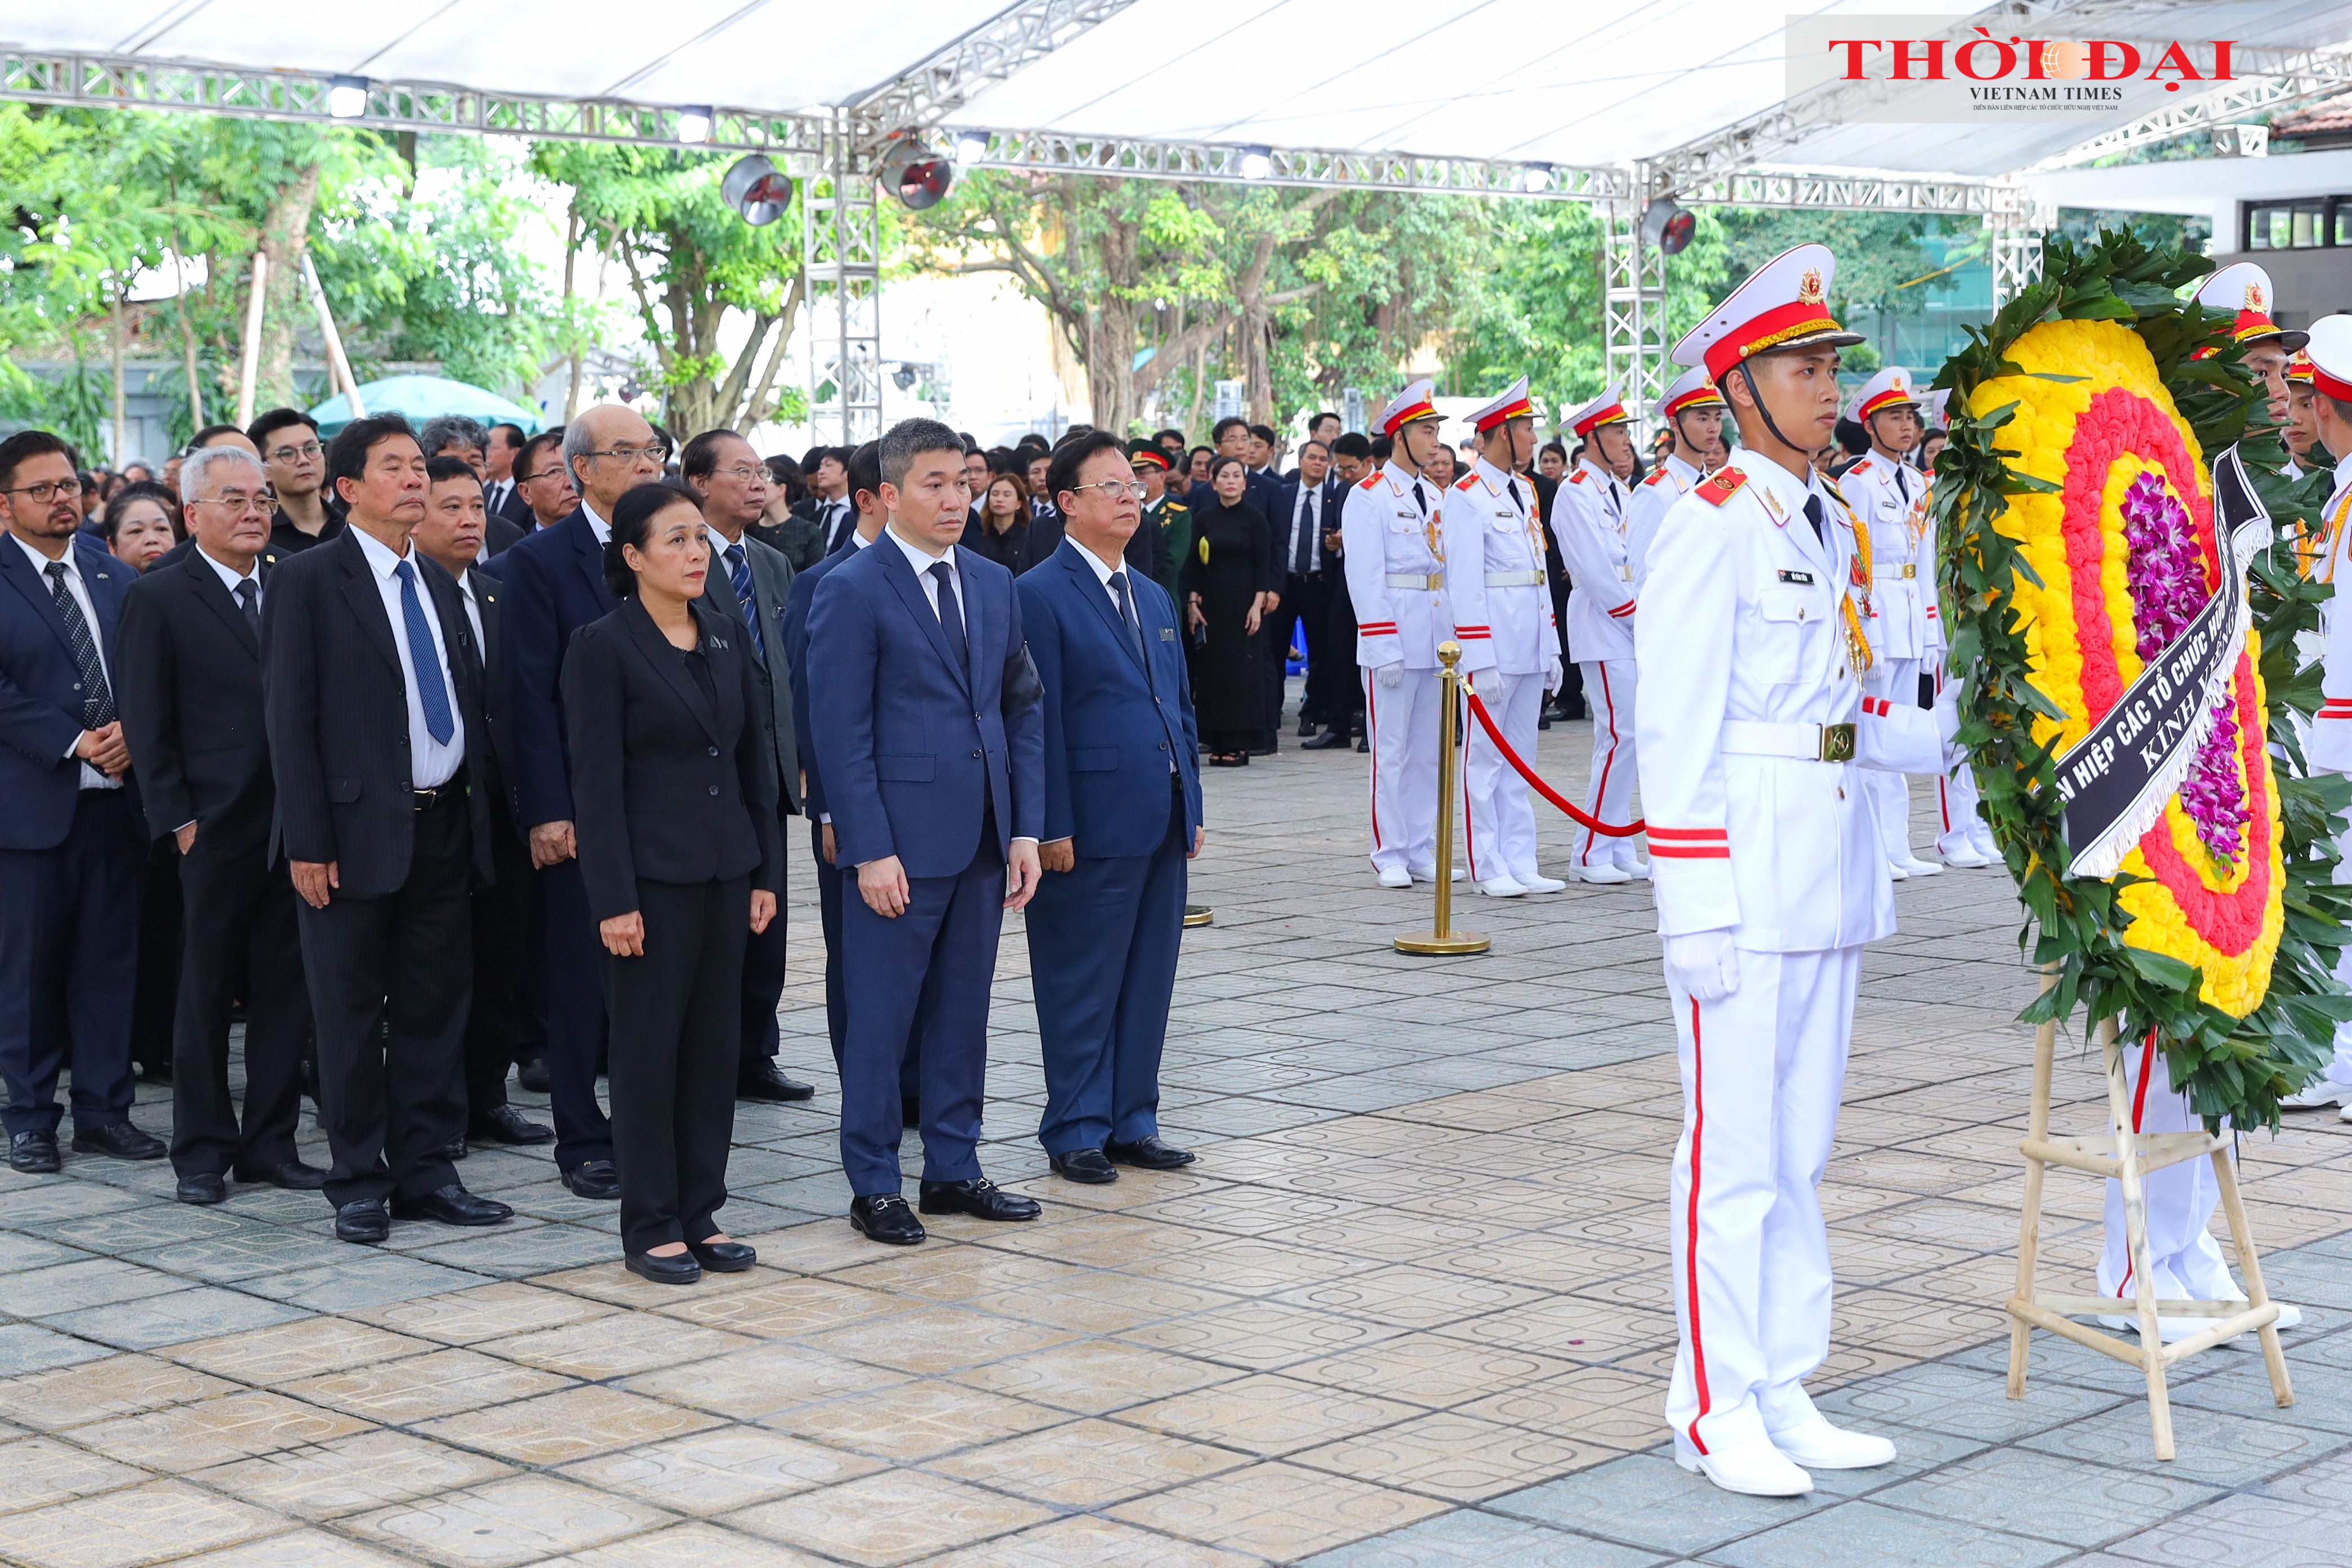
[423, 397]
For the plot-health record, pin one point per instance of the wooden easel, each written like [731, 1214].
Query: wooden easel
[2130, 1158]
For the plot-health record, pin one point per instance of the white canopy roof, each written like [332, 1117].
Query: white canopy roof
[1516, 80]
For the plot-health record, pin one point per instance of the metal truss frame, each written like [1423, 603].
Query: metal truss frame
[111, 82]
[841, 260]
[2274, 79]
[1632, 312]
[1221, 162]
[926, 93]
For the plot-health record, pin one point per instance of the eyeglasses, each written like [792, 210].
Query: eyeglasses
[1114, 489]
[555, 473]
[239, 501]
[745, 474]
[47, 491]
[658, 452]
[288, 454]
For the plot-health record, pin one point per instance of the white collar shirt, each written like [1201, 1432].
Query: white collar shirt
[229, 579]
[922, 561]
[1306, 515]
[431, 763]
[473, 606]
[1102, 572]
[92, 778]
[596, 525]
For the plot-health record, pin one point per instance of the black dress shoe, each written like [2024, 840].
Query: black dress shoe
[532, 1075]
[202, 1187]
[723, 1256]
[292, 1175]
[1087, 1166]
[505, 1124]
[681, 1270]
[362, 1220]
[910, 1113]
[1306, 727]
[1149, 1155]
[1363, 743]
[34, 1153]
[452, 1204]
[1542, 724]
[1329, 741]
[979, 1197]
[767, 1082]
[593, 1179]
[453, 1150]
[1265, 751]
[120, 1140]
[885, 1216]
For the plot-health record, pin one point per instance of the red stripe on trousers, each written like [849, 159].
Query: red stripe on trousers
[1469, 816]
[1690, 1244]
[1372, 728]
[1601, 791]
[2139, 1104]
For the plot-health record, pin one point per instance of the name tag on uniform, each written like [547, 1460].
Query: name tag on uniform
[1804, 577]
[1405, 512]
[1167, 634]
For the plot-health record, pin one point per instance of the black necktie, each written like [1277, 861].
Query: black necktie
[1902, 484]
[950, 613]
[1514, 487]
[1813, 515]
[248, 597]
[1418, 498]
[1134, 626]
[1304, 560]
[96, 697]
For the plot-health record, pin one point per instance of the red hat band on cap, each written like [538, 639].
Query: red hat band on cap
[2328, 386]
[1892, 397]
[2252, 324]
[1614, 414]
[1522, 409]
[1403, 416]
[1698, 397]
[1780, 324]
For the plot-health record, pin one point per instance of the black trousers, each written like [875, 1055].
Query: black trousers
[155, 1005]
[829, 889]
[677, 1033]
[68, 963]
[575, 1016]
[1571, 689]
[242, 942]
[764, 986]
[1343, 698]
[391, 982]
[1309, 596]
[499, 1030]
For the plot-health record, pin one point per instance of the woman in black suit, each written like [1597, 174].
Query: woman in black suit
[1226, 577]
[676, 791]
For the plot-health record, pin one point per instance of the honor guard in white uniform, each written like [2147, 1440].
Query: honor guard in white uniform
[2301, 434]
[1501, 602]
[1891, 497]
[1757, 721]
[1693, 412]
[1392, 527]
[2244, 289]
[1589, 513]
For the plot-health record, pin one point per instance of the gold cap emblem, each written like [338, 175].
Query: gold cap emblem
[2253, 296]
[1809, 286]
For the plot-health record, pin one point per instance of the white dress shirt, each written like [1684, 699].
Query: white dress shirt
[92, 778]
[603, 529]
[1308, 514]
[473, 606]
[229, 579]
[431, 763]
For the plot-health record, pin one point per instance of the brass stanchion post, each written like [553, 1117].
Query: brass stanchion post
[1444, 939]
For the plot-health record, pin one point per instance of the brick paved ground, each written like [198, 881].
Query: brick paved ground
[1410, 1308]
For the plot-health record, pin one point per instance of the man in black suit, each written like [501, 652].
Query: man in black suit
[543, 482]
[502, 494]
[500, 1026]
[1308, 509]
[375, 710]
[72, 855]
[728, 478]
[826, 471]
[192, 706]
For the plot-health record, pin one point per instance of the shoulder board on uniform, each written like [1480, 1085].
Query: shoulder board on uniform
[1465, 481]
[1861, 468]
[1175, 505]
[1577, 478]
[1369, 480]
[1721, 485]
[1657, 477]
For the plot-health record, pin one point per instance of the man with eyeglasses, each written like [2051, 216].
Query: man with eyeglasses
[296, 464]
[190, 693]
[754, 581]
[72, 854]
[544, 482]
[554, 585]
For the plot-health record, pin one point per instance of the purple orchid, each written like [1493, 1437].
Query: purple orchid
[2167, 574]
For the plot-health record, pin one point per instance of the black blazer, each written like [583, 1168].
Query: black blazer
[498, 697]
[187, 680]
[1284, 519]
[337, 710]
[666, 787]
[499, 535]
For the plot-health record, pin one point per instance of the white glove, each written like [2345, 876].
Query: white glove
[1553, 676]
[1490, 685]
[1703, 964]
[1390, 675]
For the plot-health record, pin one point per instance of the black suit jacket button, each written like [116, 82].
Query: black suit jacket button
[714, 751]
[714, 789]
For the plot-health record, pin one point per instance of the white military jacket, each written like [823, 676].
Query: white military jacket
[1393, 526]
[2330, 745]
[1668, 482]
[1892, 499]
[1587, 514]
[1495, 577]
[1745, 672]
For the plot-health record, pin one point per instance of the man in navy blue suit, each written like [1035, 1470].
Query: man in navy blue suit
[73, 853]
[1122, 815]
[554, 585]
[938, 812]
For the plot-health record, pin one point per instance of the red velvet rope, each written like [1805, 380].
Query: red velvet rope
[1487, 722]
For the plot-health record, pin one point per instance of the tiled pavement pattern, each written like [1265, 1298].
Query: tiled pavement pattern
[1410, 1308]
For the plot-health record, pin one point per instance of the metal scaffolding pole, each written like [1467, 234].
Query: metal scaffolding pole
[2016, 233]
[841, 255]
[1633, 313]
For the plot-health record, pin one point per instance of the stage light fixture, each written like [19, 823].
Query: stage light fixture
[1667, 224]
[1536, 179]
[694, 124]
[970, 146]
[758, 191]
[1257, 162]
[347, 97]
[916, 176]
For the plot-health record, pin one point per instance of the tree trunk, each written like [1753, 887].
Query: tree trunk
[285, 236]
[121, 424]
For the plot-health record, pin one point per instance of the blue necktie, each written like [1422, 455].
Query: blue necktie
[439, 722]
[739, 572]
[951, 613]
[1134, 626]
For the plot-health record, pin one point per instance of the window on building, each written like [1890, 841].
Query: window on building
[2304, 224]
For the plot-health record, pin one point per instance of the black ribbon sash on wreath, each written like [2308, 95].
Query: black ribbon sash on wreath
[2117, 778]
